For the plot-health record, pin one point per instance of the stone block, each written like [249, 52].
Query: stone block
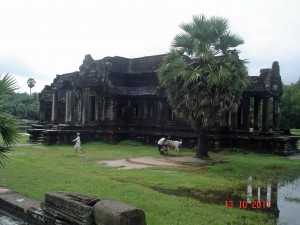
[76, 208]
[15, 203]
[40, 217]
[107, 212]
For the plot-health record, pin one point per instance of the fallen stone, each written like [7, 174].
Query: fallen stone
[76, 208]
[107, 212]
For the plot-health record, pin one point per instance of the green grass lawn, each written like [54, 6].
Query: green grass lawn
[295, 131]
[167, 195]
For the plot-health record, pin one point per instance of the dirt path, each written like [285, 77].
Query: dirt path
[144, 162]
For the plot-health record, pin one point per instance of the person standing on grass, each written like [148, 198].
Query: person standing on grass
[161, 143]
[77, 143]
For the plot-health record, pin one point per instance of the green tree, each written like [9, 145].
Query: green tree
[290, 106]
[33, 110]
[8, 124]
[203, 75]
[21, 111]
[19, 105]
[31, 83]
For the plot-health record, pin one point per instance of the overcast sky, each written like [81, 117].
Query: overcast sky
[42, 38]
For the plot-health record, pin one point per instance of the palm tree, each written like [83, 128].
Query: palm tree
[203, 75]
[31, 83]
[8, 124]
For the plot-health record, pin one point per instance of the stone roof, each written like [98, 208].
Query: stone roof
[148, 64]
[269, 81]
[143, 80]
[255, 84]
[135, 91]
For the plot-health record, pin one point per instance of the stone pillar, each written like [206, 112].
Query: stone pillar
[276, 113]
[42, 112]
[159, 111]
[257, 101]
[265, 117]
[224, 120]
[54, 107]
[233, 120]
[103, 109]
[246, 109]
[85, 105]
[239, 118]
[70, 110]
[111, 110]
[97, 108]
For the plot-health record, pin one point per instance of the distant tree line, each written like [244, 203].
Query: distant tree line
[22, 105]
[290, 106]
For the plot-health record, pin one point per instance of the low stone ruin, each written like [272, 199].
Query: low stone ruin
[65, 208]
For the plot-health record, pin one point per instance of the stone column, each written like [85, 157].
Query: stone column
[42, 112]
[102, 108]
[85, 105]
[265, 117]
[233, 120]
[257, 101]
[111, 110]
[224, 120]
[239, 117]
[97, 100]
[78, 107]
[276, 113]
[70, 110]
[159, 111]
[54, 107]
[246, 109]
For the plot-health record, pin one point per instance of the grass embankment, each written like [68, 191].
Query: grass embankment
[186, 196]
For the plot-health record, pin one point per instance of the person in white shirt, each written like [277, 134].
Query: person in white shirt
[77, 143]
[161, 143]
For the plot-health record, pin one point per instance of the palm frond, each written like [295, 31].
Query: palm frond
[202, 73]
[7, 84]
[8, 129]
[3, 155]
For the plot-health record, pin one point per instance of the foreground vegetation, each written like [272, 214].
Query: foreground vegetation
[192, 195]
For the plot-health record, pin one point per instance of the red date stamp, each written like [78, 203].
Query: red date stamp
[254, 204]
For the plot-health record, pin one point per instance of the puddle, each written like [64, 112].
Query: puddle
[282, 200]
[288, 200]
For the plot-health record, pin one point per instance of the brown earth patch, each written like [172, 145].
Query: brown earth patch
[145, 162]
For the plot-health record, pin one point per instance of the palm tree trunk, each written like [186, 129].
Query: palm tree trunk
[202, 148]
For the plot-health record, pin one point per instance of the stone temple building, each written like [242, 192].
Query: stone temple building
[117, 98]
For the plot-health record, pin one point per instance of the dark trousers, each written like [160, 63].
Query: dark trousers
[159, 147]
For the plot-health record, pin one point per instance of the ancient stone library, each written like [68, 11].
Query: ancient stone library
[118, 98]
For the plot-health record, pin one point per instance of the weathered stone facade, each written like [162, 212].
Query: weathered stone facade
[117, 98]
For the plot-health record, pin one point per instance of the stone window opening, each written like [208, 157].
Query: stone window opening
[61, 112]
[149, 111]
[171, 115]
[136, 111]
[121, 110]
[93, 108]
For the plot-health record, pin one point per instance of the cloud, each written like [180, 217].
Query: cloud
[43, 38]
[15, 65]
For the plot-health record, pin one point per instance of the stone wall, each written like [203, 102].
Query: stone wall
[65, 208]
